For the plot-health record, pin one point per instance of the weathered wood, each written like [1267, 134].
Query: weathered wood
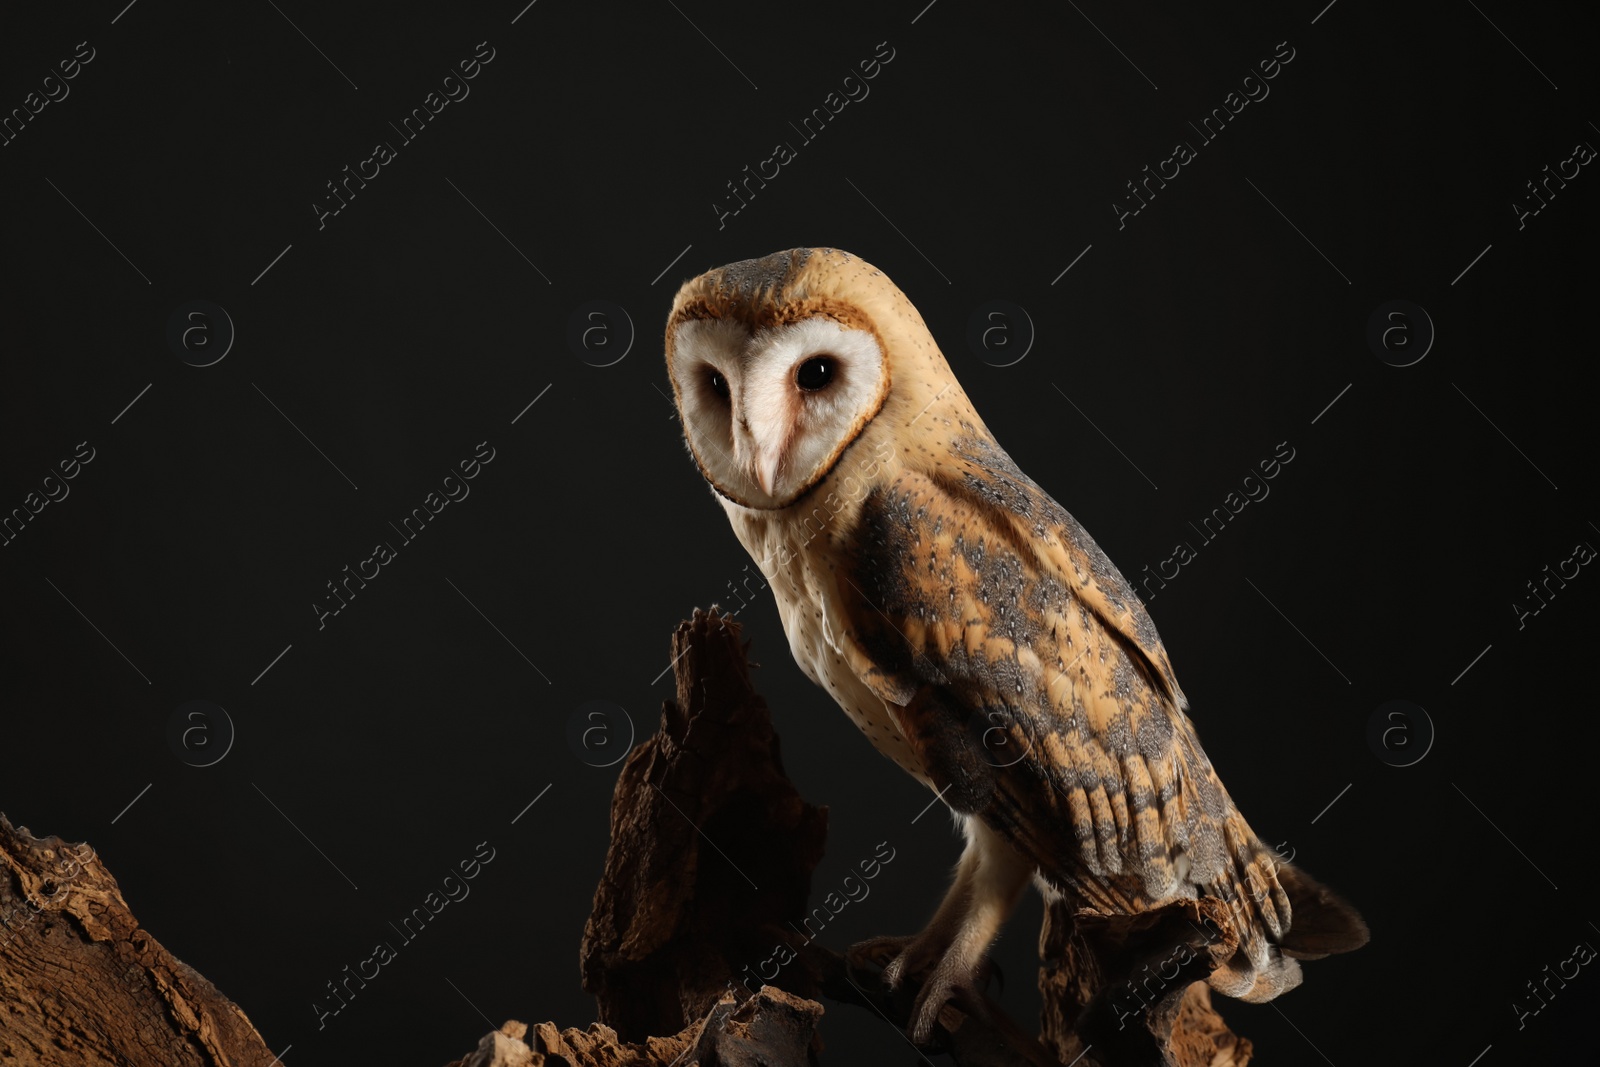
[83, 985]
[712, 849]
[708, 874]
[771, 1029]
[1081, 960]
[707, 879]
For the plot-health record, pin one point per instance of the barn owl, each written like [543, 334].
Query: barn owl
[968, 626]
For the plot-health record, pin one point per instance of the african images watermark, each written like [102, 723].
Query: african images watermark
[200, 333]
[1255, 89]
[1568, 169]
[600, 733]
[1582, 955]
[600, 332]
[852, 89]
[1400, 733]
[855, 891]
[17, 918]
[1400, 332]
[455, 890]
[455, 489]
[745, 578]
[200, 733]
[55, 490]
[54, 88]
[1182, 955]
[1000, 333]
[1254, 488]
[455, 90]
[852, 489]
[1582, 553]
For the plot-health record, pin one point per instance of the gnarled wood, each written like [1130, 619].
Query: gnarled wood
[708, 876]
[712, 849]
[771, 1029]
[675, 923]
[1081, 960]
[83, 985]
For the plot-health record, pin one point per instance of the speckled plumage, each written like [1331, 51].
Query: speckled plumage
[983, 641]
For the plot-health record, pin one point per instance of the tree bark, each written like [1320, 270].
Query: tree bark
[677, 921]
[712, 850]
[696, 935]
[1081, 959]
[82, 985]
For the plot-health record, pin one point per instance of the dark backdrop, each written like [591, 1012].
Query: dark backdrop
[374, 349]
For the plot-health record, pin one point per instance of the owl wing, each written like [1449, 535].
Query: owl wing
[1033, 686]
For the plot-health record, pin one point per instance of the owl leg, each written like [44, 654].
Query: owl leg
[951, 951]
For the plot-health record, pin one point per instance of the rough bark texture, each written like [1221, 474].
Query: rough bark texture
[708, 874]
[676, 925]
[1079, 960]
[81, 984]
[771, 1029]
[712, 849]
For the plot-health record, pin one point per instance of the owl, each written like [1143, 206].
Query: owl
[969, 626]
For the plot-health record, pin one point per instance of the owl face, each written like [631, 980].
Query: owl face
[769, 409]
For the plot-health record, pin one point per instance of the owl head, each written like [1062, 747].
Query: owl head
[779, 365]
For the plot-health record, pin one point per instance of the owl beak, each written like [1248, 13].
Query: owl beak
[760, 459]
[766, 472]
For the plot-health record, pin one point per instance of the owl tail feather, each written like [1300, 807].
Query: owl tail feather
[1323, 922]
[1282, 915]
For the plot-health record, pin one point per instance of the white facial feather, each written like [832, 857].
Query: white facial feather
[768, 429]
[701, 347]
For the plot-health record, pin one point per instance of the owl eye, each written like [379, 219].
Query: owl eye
[718, 383]
[816, 373]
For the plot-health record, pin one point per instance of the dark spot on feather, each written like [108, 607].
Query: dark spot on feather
[1118, 736]
[1153, 735]
[747, 278]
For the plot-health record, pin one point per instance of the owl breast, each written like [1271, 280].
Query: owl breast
[806, 605]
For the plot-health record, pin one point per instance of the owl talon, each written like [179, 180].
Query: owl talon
[966, 997]
[943, 987]
[898, 958]
[878, 952]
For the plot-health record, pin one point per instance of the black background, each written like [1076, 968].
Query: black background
[984, 161]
